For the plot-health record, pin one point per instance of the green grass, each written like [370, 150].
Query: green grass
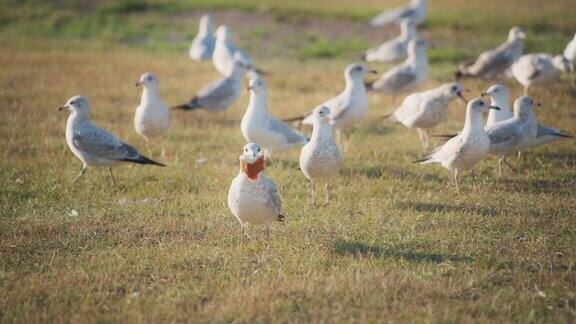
[397, 244]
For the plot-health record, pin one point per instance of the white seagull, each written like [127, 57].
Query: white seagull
[226, 53]
[152, 118]
[514, 134]
[424, 110]
[259, 127]
[467, 148]
[350, 106]
[499, 97]
[415, 11]
[253, 197]
[320, 158]
[203, 44]
[93, 145]
[218, 95]
[408, 75]
[570, 51]
[395, 49]
[539, 69]
[493, 63]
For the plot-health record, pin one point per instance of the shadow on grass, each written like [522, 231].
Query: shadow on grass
[362, 250]
[539, 186]
[378, 171]
[438, 207]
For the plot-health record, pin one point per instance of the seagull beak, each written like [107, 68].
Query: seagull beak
[62, 108]
[462, 97]
[249, 88]
[373, 71]
[495, 108]
[539, 104]
[484, 94]
[138, 84]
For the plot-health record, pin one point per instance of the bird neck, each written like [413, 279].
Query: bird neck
[353, 83]
[473, 122]
[252, 170]
[258, 104]
[206, 28]
[149, 95]
[78, 116]
[321, 130]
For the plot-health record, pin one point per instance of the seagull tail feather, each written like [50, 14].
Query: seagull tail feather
[141, 159]
[193, 104]
[444, 136]
[421, 160]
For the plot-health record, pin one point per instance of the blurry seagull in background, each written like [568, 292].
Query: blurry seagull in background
[203, 44]
[494, 63]
[415, 11]
[395, 49]
[540, 69]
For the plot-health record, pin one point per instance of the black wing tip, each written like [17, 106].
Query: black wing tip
[144, 160]
[281, 218]
[420, 160]
[369, 85]
[193, 104]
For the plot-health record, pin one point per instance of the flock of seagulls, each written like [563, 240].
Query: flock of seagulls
[253, 197]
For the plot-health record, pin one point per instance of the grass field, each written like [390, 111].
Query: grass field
[397, 243]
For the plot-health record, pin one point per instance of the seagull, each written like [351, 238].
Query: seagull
[259, 127]
[203, 44]
[93, 145]
[226, 53]
[415, 11]
[423, 110]
[499, 97]
[218, 95]
[493, 63]
[350, 106]
[152, 118]
[253, 197]
[395, 49]
[539, 69]
[467, 148]
[514, 134]
[408, 75]
[320, 158]
[570, 51]
[544, 134]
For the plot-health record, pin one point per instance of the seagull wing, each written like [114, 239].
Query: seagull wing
[279, 127]
[101, 144]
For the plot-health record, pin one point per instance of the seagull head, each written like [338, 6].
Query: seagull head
[223, 32]
[416, 46]
[408, 28]
[562, 64]
[516, 33]
[206, 20]
[456, 89]
[77, 104]
[252, 160]
[358, 70]
[257, 85]
[479, 105]
[147, 80]
[524, 106]
[498, 94]
[321, 114]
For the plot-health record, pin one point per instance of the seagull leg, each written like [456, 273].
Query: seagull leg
[423, 138]
[500, 162]
[162, 150]
[456, 180]
[148, 145]
[242, 233]
[327, 193]
[509, 165]
[519, 155]
[267, 233]
[473, 174]
[312, 194]
[84, 167]
[111, 175]
[526, 90]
